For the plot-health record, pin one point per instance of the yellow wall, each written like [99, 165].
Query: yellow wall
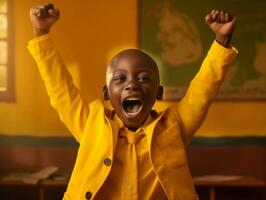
[87, 33]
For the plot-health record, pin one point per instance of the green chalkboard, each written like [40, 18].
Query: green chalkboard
[175, 34]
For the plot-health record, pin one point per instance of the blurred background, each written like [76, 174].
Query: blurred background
[232, 140]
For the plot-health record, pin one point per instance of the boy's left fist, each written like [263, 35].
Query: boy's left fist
[222, 24]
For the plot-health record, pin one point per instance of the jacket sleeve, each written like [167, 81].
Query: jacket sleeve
[203, 89]
[64, 95]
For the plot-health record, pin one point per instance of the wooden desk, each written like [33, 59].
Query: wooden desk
[44, 184]
[212, 184]
[40, 188]
[229, 181]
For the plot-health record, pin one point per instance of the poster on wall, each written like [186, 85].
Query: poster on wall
[175, 34]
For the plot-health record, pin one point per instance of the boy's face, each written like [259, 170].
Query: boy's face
[133, 86]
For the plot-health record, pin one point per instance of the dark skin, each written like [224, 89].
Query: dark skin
[133, 86]
[132, 77]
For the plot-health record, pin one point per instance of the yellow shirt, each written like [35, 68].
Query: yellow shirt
[132, 175]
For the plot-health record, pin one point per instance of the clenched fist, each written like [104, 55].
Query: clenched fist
[43, 17]
[222, 24]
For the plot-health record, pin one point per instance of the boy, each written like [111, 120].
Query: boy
[127, 150]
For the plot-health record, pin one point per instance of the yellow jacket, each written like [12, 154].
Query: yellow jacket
[94, 128]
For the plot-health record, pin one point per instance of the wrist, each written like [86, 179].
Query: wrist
[224, 40]
[39, 32]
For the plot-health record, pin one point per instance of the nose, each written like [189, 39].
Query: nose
[132, 85]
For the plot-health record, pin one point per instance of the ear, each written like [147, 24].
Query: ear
[160, 93]
[105, 93]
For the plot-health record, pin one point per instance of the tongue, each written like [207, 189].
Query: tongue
[132, 108]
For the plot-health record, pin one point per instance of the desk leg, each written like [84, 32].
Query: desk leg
[212, 193]
[41, 193]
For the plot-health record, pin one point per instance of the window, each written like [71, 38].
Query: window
[6, 66]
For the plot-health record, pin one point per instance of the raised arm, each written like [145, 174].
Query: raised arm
[64, 95]
[204, 87]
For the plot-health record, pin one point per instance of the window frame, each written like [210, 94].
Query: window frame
[9, 94]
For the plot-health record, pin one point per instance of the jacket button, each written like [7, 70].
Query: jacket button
[88, 195]
[107, 161]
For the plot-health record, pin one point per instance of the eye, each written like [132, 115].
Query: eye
[119, 78]
[143, 77]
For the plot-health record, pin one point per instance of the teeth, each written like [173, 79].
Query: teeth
[132, 99]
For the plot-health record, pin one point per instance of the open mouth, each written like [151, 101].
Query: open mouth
[132, 106]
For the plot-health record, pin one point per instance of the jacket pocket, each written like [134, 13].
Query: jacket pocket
[171, 147]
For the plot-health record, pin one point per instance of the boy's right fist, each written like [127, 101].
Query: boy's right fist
[43, 17]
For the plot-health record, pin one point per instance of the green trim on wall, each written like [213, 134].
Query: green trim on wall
[32, 141]
[228, 141]
[37, 141]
